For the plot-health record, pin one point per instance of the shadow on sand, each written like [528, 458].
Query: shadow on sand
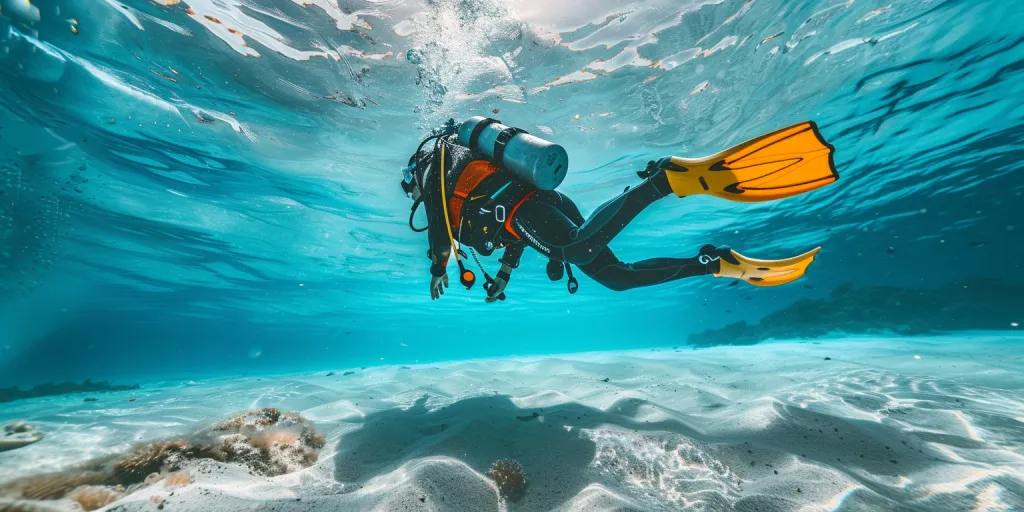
[481, 430]
[558, 458]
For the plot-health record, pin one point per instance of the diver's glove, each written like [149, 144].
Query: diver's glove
[437, 285]
[496, 288]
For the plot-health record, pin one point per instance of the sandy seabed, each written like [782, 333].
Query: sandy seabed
[851, 424]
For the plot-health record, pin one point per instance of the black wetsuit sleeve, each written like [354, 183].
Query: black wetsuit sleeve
[437, 234]
[512, 254]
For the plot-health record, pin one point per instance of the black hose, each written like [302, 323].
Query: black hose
[415, 206]
[418, 176]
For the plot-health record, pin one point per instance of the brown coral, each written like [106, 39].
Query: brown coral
[177, 478]
[262, 417]
[51, 487]
[509, 477]
[152, 458]
[266, 441]
[92, 497]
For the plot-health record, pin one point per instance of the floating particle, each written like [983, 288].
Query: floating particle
[165, 77]
[874, 13]
[496, 111]
[917, 357]
[701, 87]
[1013, 324]
[577, 117]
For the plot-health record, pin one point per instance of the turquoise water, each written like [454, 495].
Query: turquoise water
[211, 187]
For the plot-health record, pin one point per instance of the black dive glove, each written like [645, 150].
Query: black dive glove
[496, 288]
[438, 280]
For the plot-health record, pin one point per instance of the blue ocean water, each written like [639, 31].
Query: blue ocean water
[209, 187]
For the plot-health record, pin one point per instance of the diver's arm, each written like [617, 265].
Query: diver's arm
[437, 233]
[513, 253]
[509, 261]
[440, 248]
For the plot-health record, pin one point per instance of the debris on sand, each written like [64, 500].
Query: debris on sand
[16, 434]
[528, 418]
[266, 441]
[509, 477]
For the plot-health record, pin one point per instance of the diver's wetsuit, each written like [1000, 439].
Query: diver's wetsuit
[550, 223]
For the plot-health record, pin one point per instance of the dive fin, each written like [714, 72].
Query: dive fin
[783, 163]
[764, 272]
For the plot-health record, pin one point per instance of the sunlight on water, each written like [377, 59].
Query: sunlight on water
[203, 196]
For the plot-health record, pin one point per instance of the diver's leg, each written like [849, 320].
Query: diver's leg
[612, 217]
[607, 270]
[549, 221]
[542, 224]
[556, 268]
[569, 209]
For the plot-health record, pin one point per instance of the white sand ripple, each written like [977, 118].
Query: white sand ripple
[769, 427]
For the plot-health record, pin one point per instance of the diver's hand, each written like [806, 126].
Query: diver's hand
[496, 291]
[437, 286]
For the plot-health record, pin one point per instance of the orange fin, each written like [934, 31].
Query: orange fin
[781, 164]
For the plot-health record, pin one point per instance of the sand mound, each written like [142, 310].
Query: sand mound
[771, 427]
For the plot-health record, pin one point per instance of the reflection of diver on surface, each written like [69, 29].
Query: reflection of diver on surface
[499, 182]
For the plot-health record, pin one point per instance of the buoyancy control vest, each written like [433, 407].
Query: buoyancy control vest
[508, 164]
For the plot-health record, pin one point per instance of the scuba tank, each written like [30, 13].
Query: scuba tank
[534, 160]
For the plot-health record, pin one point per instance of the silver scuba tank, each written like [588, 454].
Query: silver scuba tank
[534, 160]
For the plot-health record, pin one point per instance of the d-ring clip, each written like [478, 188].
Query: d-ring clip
[704, 259]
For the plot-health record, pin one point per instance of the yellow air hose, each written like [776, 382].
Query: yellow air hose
[466, 277]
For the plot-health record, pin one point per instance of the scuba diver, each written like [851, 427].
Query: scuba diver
[486, 186]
